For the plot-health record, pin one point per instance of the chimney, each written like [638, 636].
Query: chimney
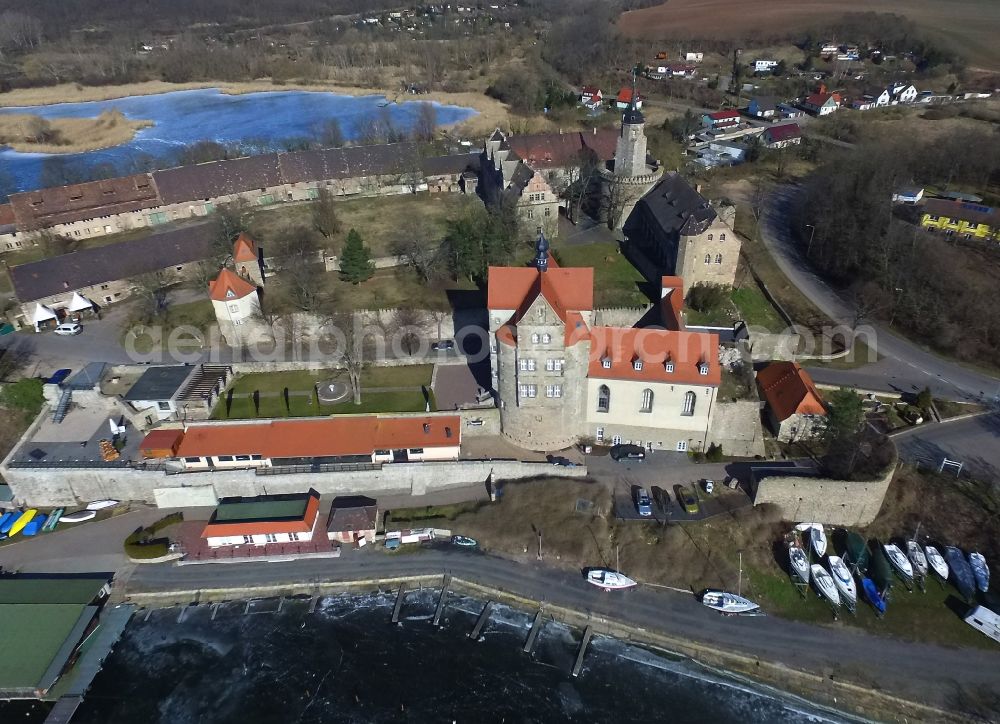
[447, 432]
[427, 428]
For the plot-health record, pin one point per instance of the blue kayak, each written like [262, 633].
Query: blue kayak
[4, 518]
[34, 526]
[9, 522]
[873, 596]
[961, 572]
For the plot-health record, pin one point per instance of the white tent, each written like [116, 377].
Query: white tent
[42, 314]
[78, 303]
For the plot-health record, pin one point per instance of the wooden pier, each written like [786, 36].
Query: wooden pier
[215, 610]
[441, 599]
[583, 650]
[483, 618]
[536, 626]
[312, 604]
[399, 603]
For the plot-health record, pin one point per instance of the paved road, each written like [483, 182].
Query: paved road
[825, 650]
[973, 441]
[907, 365]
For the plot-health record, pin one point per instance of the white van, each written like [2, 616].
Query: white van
[69, 328]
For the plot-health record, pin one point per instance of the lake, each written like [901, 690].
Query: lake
[261, 122]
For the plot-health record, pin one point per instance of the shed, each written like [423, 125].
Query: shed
[352, 519]
[161, 443]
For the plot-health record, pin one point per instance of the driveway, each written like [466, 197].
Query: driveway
[908, 365]
[974, 441]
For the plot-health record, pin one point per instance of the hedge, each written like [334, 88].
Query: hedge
[142, 545]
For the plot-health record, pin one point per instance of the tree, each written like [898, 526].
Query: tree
[418, 250]
[479, 238]
[151, 289]
[330, 134]
[324, 214]
[231, 220]
[925, 400]
[297, 258]
[683, 127]
[706, 297]
[425, 124]
[356, 264]
[575, 186]
[844, 424]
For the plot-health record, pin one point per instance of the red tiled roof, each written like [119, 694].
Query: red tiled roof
[590, 90]
[784, 132]
[244, 248]
[789, 390]
[672, 303]
[724, 115]
[553, 150]
[654, 347]
[566, 290]
[818, 99]
[304, 524]
[326, 437]
[6, 214]
[625, 96]
[229, 285]
[161, 443]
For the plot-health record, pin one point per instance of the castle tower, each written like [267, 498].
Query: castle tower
[630, 153]
[247, 261]
[236, 303]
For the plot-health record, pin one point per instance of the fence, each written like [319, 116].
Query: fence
[318, 468]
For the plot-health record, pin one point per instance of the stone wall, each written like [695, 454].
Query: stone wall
[835, 502]
[74, 486]
[736, 426]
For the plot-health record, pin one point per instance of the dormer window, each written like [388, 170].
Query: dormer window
[606, 362]
[546, 338]
[637, 365]
[534, 339]
[668, 367]
[703, 368]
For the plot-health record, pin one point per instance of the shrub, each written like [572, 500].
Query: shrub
[704, 297]
[714, 453]
[142, 545]
[25, 395]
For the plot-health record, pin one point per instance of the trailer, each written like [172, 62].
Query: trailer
[984, 620]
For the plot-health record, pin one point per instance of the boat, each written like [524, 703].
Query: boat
[10, 520]
[917, 558]
[880, 570]
[728, 603]
[609, 580]
[800, 564]
[937, 562]
[977, 561]
[856, 556]
[961, 572]
[53, 520]
[102, 504]
[824, 584]
[898, 561]
[461, 540]
[872, 595]
[22, 520]
[843, 579]
[816, 535]
[34, 526]
[4, 518]
[79, 516]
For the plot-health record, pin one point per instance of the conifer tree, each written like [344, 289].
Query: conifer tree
[356, 264]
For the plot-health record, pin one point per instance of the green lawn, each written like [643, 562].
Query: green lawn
[754, 309]
[242, 407]
[616, 282]
[395, 288]
[305, 380]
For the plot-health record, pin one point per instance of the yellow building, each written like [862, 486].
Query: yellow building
[961, 217]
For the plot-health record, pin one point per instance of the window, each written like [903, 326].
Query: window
[546, 338]
[711, 236]
[107, 299]
[293, 536]
[416, 451]
[553, 391]
[104, 286]
[599, 434]
[616, 440]
[689, 400]
[682, 446]
[637, 365]
[603, 398]
[558, 365]
[179, 268]
[668, 367]
[708, 258]
[248, 539]
[242, 458]
[192, 460]
[606, 362]
[270, 538]
[163, 405]
[550, 365]
[237, 322]
[224, 458]
[703, 368]
[718, 258]
[647, 401]
[527, 365]
[548, 211]
[722, 237]
[534, 338]
[234, 307]
[256, 457]
[530, 213]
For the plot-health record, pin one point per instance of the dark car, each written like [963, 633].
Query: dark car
[442, 345]
[58, 377]
[689, 501]
[627, 452]
[561, 461]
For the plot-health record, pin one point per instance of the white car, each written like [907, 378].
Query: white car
[709, 486]
[69, 328]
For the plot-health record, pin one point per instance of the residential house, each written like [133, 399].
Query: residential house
[694, 57]
[786, 134]
[624, 99]
[366, 439]
[681, 70]
[721, 120]
[820, 104]
[560, 376]
[908, 195]
[828, 49]
[353, 519]
[794, 407]
[684, 235]
[789, 112]
[762, 65]
[763, 106]
[236, 303]
[178, 392]
[901, 93]
[289, 518]
[721, 153]
[864, 103]
[591, 97]
[971, 220]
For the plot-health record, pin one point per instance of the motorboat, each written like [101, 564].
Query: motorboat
[977, 561]
[608, 579]
[937, 562]
[465, 541]
[728, 603]
[800, 564]
[816, 535]
[824, 584]
[961, 572]
[917, 558]
[873, 596]
[898, 560]
[79, 516]
[102, 504]
[843, 579]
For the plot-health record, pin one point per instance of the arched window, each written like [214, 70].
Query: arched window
[708, 258]
[722, 237]
[647, 401]
[711, 236]
[718, 258]
[534, 339]
[689, 399]
[546, 338]
[603, 398]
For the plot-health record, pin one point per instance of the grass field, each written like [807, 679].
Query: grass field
[616, 282]
[968, 26]
[305, 380]
[67, 135]
[242, 407]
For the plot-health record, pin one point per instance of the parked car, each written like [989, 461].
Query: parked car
[732, 482]
[643, 504]
[689, 501]
[561, 461]
[58, 376]
[442, 345]
[709, 486]
[627, 452]
[69, 328]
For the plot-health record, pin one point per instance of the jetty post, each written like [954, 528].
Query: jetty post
[441, 599]
[399, 603]
[483, 618]
[536, 626]
[588, 632]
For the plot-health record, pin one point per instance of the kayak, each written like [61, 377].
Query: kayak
[35, 526]
[4, 518]
[9, 520]
[872, 595]
[22, 521]
[102, 504]
[79, 516]
[53, 520]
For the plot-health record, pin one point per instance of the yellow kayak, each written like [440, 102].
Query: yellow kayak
[21, 522]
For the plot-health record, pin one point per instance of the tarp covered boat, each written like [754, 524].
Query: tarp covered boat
[961, 572]
[872, 595]
[977, 561]
[856, 555]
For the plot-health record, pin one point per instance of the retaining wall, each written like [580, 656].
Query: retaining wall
[836, 502]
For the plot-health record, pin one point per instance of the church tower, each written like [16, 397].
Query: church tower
[630, 153]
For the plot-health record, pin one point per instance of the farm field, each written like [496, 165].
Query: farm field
[968, 26]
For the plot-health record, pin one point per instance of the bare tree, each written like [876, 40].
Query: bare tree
[151, 290]
[297, 257]
[418, 249]
[425, 123]
[324, 214]
[408, 322]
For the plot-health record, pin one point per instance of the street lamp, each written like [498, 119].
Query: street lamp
[811, 235]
